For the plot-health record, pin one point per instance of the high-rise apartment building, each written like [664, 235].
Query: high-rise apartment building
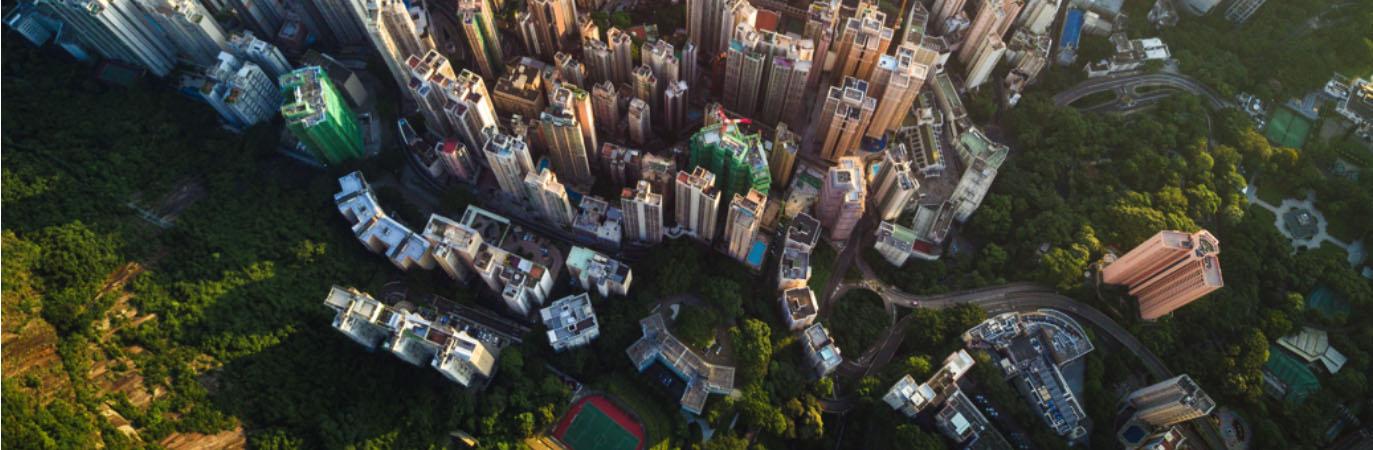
[458, 159]
[741, 223]
[431, 76]
[191, 28]
[508, 157]
[554, 24]
[675, 106]
[766, 74]
[1168, 271]
[983, 61]
[786, 144]
[986, 24]
[563, 140]
[1170, 402]
[643, 211]
[711, 23]
[116, 29]
[982, 158]
[736, 158]
[605, 103]
[1012, 9]
[646, 88]
[841, 198]
[662, 58]
[263, 16]
[470, 109]
[267, 56]
[1240, 10]
[822, 18]
[895, 84]
[528, 30]
[864, 39]
[894, 185]
[640, 125]
[571, 70]
[316, 113]
[661, 174]
[479, 26]
[548, 197]
[600, 66]
[393, 34]
[689, 55]
[743, 71]
[240, 91]
[1039, 15]
[698, 203]
[942, 11]
[621, 47]
[343, 20]
[521, 90]
[844, 117]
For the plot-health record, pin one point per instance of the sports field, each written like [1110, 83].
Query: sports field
[1286, 129]
[596, 423]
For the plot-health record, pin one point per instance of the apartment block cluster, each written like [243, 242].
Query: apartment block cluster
[953, 413]
[1034, 348]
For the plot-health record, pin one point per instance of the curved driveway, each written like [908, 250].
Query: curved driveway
[1132, 82]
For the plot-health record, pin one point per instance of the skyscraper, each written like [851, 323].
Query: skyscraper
[599, 64]
[479, 25]
[394, 35]
[983, 61]
[662, 58]
[605, 103]
[675, 106]
[247, 46]
[689, 65]
[563, 140]
[470, 109]
[822, 18]
[117, 29]
[660, 173]
[640, 125]
[238, 90]
[548, 197]
[1168, 271]
[621, 55]
[741, 223]
[844, 117]
[509, 159]
[864, 39]
[345, 20]
[555, 24]
[942, 11]
[1039, 15]
[841, 198]
[767, 68]
[743, 71]
[698, 203]
[431, 76]
[1170, 402]
[982, 157]
[895, 84]
[894, 185]
[643, 210]
[782, 157]
[646, 88]
[191, 28]
[458, 159]
[710, 23]
[736, 158]
[990, 15]
[317, 115]
[528, 29]
[571, 70]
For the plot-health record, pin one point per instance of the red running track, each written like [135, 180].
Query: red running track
[620, 417]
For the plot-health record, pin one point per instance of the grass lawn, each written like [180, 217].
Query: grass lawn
[656, 415]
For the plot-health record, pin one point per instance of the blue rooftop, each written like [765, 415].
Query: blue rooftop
[755, 253]
[1072, 29]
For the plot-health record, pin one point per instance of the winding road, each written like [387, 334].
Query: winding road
[1127, 84]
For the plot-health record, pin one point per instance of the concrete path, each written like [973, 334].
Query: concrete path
[1355, 249]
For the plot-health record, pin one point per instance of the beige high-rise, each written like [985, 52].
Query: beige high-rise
[844, 117]
[698, 203]
[745, 214]
[1168, 271]
[1170, 402]
[842, 197]
[896, 83]
[862, 42]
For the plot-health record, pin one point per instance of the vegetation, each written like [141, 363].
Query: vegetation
[857, 321]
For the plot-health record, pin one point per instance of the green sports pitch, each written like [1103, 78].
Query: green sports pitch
[592, 428]
[1286, 129]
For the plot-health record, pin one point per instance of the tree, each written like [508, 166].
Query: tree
[912, 437]
[75, 262]
[752, 349]
[725, 294]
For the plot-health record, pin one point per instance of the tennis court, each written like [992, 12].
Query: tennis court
[596, 423]
[1286, 129]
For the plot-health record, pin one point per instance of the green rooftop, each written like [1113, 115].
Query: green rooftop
[1292, 373]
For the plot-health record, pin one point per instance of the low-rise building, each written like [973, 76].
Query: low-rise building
[1130, 54]
[804, 190]
[701, 378]
[799, 308]
[931, 226]
[593, 270]
[910, 398]
[598, 221]
[571, 322]
[1035, 346]
[821, 353]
